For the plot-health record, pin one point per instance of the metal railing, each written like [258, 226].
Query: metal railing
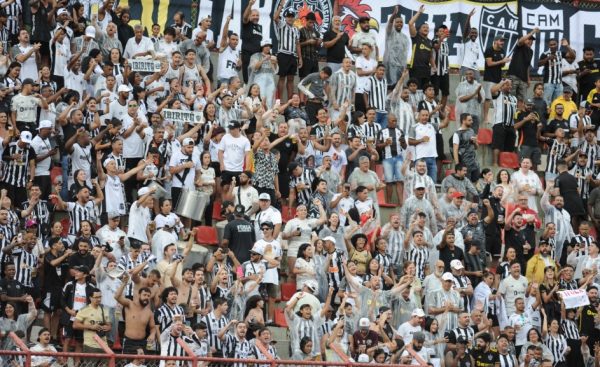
[23, 356]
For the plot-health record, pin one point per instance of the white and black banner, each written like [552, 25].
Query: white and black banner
[144, 65]
[581, 27]
[192, 117]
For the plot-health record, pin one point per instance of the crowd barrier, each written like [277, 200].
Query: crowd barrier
[22, 356]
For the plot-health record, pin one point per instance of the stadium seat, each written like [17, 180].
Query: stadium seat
[508, 160]
[285, 217]
[381, 200]
[287, 291]
[216, 214]
[280, 318]
[206, 235]
[452, 115]
[484, 137]
[379, 171]
[448, 172]
[66, 223]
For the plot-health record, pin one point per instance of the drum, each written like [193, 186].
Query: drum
[160, 192]
[199, 254]
[191, 204]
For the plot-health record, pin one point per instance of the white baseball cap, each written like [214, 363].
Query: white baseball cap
[26, 137]
[90, 31]
[123, 88]
[364, 323]
[329, 238]
[264, 196]
[418, 312]
[45, 124]
[448, 276]
[456, 264]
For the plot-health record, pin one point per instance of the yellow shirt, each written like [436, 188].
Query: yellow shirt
[569, 108]
[536, 266]
[590, 96]
[92, 316]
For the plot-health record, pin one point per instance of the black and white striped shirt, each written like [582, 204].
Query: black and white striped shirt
[343, 85]
[505, 107]
[440, 57]
[371, 130]
[307, 177]
[584, 243]
[385, 261]
[335, 272]
[553, 68]
[235, 348]
[557, 345]
[16, 171]
[395, 149]
[569, 329]
[377, 90]
[419, 256]
[25, 263]
[4, 37]
[257, 354]
[163, 316]
[507, 360]
[41, 214]
[558, 151]
[434, 118]
[127, 264]
[462, 282]
[13, 12]
[593, 153]
[169, 346]
[395, 247]
[468, 333]
[78, 213]
[288, 37]
[580, 173]
[214, 326]
[204, 293]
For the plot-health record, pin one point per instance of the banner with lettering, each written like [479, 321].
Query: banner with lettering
[491, 18]
[575, 298]
[144, 65]
[192, 117]
[580, 26]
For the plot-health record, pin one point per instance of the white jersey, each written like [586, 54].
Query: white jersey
[114, 195]
[81, 159]
[236, 149]
[42, 147]
[185, 178]
[228, 63]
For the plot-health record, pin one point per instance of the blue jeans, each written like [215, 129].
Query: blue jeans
[431, 168]
[381, 119]
[552, 92]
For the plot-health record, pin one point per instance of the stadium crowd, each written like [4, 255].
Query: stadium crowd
[469, 269]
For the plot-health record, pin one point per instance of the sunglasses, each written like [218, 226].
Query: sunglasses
[133, 105]
[265, 229]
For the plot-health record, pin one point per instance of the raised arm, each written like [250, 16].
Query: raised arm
[412, 28]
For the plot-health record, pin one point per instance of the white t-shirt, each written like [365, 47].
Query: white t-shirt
[228, 63]
[133, 145]
[245, 196]
[117, 110]
[81, 159]
[406, 331]
[518, 178]
[362, 82]
[114, 195]
[132, 47]
[29, 68]
[236, 149]
[177, 159]
[41, 147]
[139, 218]
[80, 298]
[61, 58]
[522, 325]
[271, 275]
[161, 219]
[425, 149]
[306, 227]
[511, 289]
[471, 51]
[269, 215]
[75, 81]
[338, 159]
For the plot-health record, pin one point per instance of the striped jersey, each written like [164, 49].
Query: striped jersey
[593, 153]
[16, 171]
[553, 68]
[41, 214]
[371, 131]
[505, 107]
[307, 177]
[461, 282]
[163, 316]
[507, 360]
[169, 346]
[235, 348]
[214, 326]
[580, 173]
[343, 85]
[558, 150]
[385, 261]
[377, 90]
[335, 269]
[403, 112]
[127, 264]
[557, 345]
[440, 57]
[395, 149]
[287, 37]
[415, 98]
[25, 263]
[420, 256]
[78, 213]
[13, 13]
[395, 247]
[584, 243]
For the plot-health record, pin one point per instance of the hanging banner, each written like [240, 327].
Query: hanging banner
[580, 26]
[491, 18]
[192, 117]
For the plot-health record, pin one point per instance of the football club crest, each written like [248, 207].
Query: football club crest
[322, 9]
[498, 22]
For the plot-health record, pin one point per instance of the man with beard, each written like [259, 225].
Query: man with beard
[342, 84]
[589, 68]
[235, 345]
[422, 64]
[474, 230]
[528, 124]
[537, 264]
[397, 45]
[335, 41]
[251, 35]
[414, 353]
[469, 94]
[365, 35]
[138, 319]
[520, 319]
[244, 193]
[339, 161]
[587, 320]
[82, 256]
[415, 204]
[394, 235]
[520, 235]
[483, 355]
[513, 287]
[461, 181]
[416, 176]
[166, 315]
[556, 213]
[400, 106]
[188, 296]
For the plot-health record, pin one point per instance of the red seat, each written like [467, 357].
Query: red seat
[285, 217]
[593, 232]
[206, 235]
[381, 200]
[379, 171]
[54, 173]
[280, 318]
[287, 291]
[66, 223]
[216, 213]
[449, 172]
[484, 137]
[452, 115]
[508, 160]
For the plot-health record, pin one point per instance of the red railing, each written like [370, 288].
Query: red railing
[111, 359]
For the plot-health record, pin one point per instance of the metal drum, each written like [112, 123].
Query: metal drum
[191, 204]
[199, 254]
[160, 192]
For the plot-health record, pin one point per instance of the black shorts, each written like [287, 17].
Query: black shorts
[503, 138]
[439, 145]
[288, 64]
[70, 333]
[51, 300]
[131, 346]
[308, 66]
[226, 177]
[441, 83]
[217, 167]
[44, 48]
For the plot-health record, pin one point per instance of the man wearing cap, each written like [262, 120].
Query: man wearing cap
[364, 340]
[266, 213]
[462, 283]
[418, 203]
[24, 107]
[412, 326]
[445, 304]
[415, 353]
[85, 43]
[244, 193]
[27, 55]
[289, 55]
[537, 264]
[139, 215]
[519, 75]
[251, 35]
[139, 45]
[19, 170]
[43, 152]
[566, 99]
[185, 168]
[495, 59]
[238, 235]
[74, 298]
[238, 148]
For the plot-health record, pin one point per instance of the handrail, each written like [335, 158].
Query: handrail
[107, 350]
[19, 343]
[188, 351]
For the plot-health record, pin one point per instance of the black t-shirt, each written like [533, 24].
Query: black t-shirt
[336, 53]
[586, 321]
[586, 82]
[555, 124]
[251, 36]
[521, 56]
[240, 234]
[421, 54]
[54, 276]
[352, 164]
[493, 73]
[447, 255]
[485, 359]
[77, 260]
[12, 288]
[528, 132]
[287, 150]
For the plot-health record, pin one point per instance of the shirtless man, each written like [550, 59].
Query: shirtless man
[188, 293]
[138, 318]
[152, 281]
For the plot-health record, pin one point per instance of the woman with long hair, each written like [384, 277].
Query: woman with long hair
[355, 128]
[304, 268]
[434, 339]
[503, 179]
[12, 78]
[79, 180]
[13, 322]
[356, 244]
[549, 293]
[503, 269]
[86, 230]
[557, 343]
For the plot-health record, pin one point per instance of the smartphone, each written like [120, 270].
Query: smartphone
[240, 272]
